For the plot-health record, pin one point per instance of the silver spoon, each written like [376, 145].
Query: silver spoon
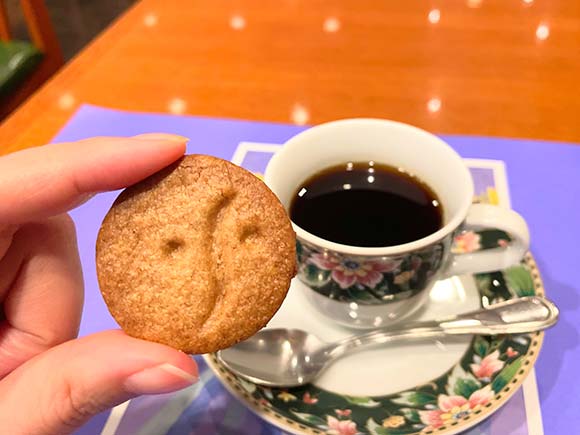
[292, 357]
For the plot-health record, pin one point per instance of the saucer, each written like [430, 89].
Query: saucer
[440, 386]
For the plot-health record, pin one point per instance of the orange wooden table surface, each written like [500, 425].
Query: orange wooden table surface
[487, 67]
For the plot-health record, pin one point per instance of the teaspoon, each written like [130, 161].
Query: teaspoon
[292, 357]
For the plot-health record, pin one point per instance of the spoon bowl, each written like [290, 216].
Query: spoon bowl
[294, 353]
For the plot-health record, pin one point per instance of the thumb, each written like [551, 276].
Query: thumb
[57, 391]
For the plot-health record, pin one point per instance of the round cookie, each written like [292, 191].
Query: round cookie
[199, 256]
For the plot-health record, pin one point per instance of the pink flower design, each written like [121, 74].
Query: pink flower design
[455, 407]
[308, 399]
[343, 412]
[488, 366]
[347, 271]
[340, 427]
[510, 352]
[467, 241]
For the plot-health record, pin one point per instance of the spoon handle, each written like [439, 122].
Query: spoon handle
[515, 316]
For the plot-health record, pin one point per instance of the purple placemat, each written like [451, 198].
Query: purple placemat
[544, 185]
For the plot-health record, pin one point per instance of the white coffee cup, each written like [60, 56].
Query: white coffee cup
[328, 267]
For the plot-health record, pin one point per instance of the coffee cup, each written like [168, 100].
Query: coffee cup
[370, 287]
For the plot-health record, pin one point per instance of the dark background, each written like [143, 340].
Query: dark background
[75, 22]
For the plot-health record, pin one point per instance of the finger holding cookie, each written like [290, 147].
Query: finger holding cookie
[49, 382]
[49, 180]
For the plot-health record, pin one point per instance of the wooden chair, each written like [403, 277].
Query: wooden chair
[25, 66]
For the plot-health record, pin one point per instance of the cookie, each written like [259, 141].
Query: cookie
[199, 256]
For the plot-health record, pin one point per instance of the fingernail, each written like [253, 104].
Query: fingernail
[163, 378]
[162, 136]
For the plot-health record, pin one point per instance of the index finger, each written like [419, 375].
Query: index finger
[49, 180]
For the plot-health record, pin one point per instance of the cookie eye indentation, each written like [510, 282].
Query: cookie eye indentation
[172, 245]
[249, 232]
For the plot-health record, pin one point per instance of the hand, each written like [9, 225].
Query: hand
[51, 383]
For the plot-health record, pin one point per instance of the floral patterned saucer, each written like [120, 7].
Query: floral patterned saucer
[430, 387]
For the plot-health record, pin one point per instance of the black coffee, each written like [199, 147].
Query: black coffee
[366, 204]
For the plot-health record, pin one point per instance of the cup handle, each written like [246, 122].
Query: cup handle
[484, 216]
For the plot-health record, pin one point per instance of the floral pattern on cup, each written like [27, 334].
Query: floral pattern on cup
[471, 241]
[367, 280]
[480, 379]
[379, 280]
[347, 272]
[467, 241]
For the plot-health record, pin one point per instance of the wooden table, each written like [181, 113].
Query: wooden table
[487, 67]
